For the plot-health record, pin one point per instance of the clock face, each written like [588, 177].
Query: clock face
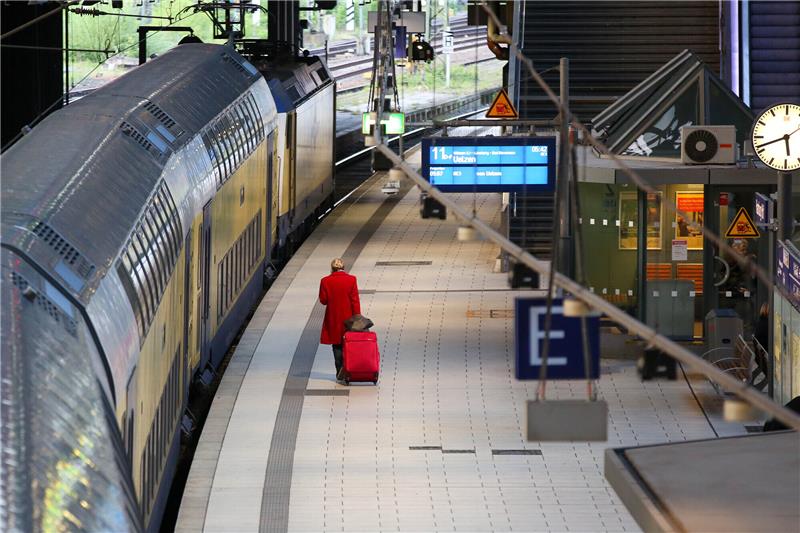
[776, 137]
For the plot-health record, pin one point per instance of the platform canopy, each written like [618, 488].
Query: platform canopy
[646, 121]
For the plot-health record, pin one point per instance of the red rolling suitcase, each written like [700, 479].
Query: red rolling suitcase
[362, 360]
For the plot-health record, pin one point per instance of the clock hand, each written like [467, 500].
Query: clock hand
[786, 138]
[781, 138]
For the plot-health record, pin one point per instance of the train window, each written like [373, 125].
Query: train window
[237, 277]
[255, 118]
[156, 255]
[150, 467]
[224, 151]
[256, 112]
[158, 214]
[174, 223]
[221, 154]
[222, 286]
[228, 281]
[213, 155]
[158, 439]
[145, 270]
[224, 305]
[124, 273]
[157, 141]
[242, 259]
[246, 126]
[146, 476]
[229, 139]
[255, 241]
[219, 290]
[235, 135]
[143, 477]
[250, 246]
[138, 284]
[142, 273]
[154, 259]
[258, 234]
[241, 132]
[231, 280]
[164, 133]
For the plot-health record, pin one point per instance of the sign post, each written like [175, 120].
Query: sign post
[559, 420]
[447, 48]
[565, 360]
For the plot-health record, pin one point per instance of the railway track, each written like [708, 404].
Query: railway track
[348, 47]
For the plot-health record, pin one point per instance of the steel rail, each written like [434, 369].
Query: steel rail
[648, 334]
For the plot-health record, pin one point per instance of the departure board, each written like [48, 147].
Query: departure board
[489, 164]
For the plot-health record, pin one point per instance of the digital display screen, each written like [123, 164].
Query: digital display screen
[489, 164]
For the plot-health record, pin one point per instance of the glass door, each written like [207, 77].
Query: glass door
[672, 270]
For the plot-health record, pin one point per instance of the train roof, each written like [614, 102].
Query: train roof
[83, 176]
[293, 82]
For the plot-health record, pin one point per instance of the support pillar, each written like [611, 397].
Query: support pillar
[283, 24]
[565, 260]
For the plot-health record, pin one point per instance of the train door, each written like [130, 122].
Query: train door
[129, 425]
[188, 319]
[270, 194]
[291, 146]
[205, 289]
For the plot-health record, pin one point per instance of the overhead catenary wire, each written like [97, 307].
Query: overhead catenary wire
[36, 20]
[49, 108]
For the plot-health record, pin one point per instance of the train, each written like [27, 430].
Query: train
[139, 226]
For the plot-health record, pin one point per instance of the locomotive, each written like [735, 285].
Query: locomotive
[138, 224]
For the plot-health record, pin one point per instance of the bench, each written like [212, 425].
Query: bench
[738, 364]
[692, 272]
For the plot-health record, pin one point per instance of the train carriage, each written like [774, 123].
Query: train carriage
[136, 226]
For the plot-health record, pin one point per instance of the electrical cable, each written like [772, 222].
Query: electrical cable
[36, 20]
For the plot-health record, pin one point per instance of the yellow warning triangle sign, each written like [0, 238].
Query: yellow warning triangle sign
[742, 226]
[502, 107]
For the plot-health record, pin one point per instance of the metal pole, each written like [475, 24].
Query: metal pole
[785, 217]
[565, 248]
[142, 45]
[648, 334]
[66, 57]
[447, 29]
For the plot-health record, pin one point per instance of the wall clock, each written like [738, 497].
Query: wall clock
[776, 137]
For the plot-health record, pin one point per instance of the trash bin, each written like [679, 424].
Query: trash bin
[723, 326]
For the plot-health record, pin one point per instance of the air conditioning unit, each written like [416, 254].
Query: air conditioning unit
[708, 145]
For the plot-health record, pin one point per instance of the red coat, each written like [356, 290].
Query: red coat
[339, 292]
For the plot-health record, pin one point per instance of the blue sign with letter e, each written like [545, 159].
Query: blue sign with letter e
[565, 357]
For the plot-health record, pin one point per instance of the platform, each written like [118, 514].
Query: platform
[439, 444]
[676, 487]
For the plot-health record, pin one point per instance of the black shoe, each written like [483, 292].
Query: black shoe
[340, 375]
